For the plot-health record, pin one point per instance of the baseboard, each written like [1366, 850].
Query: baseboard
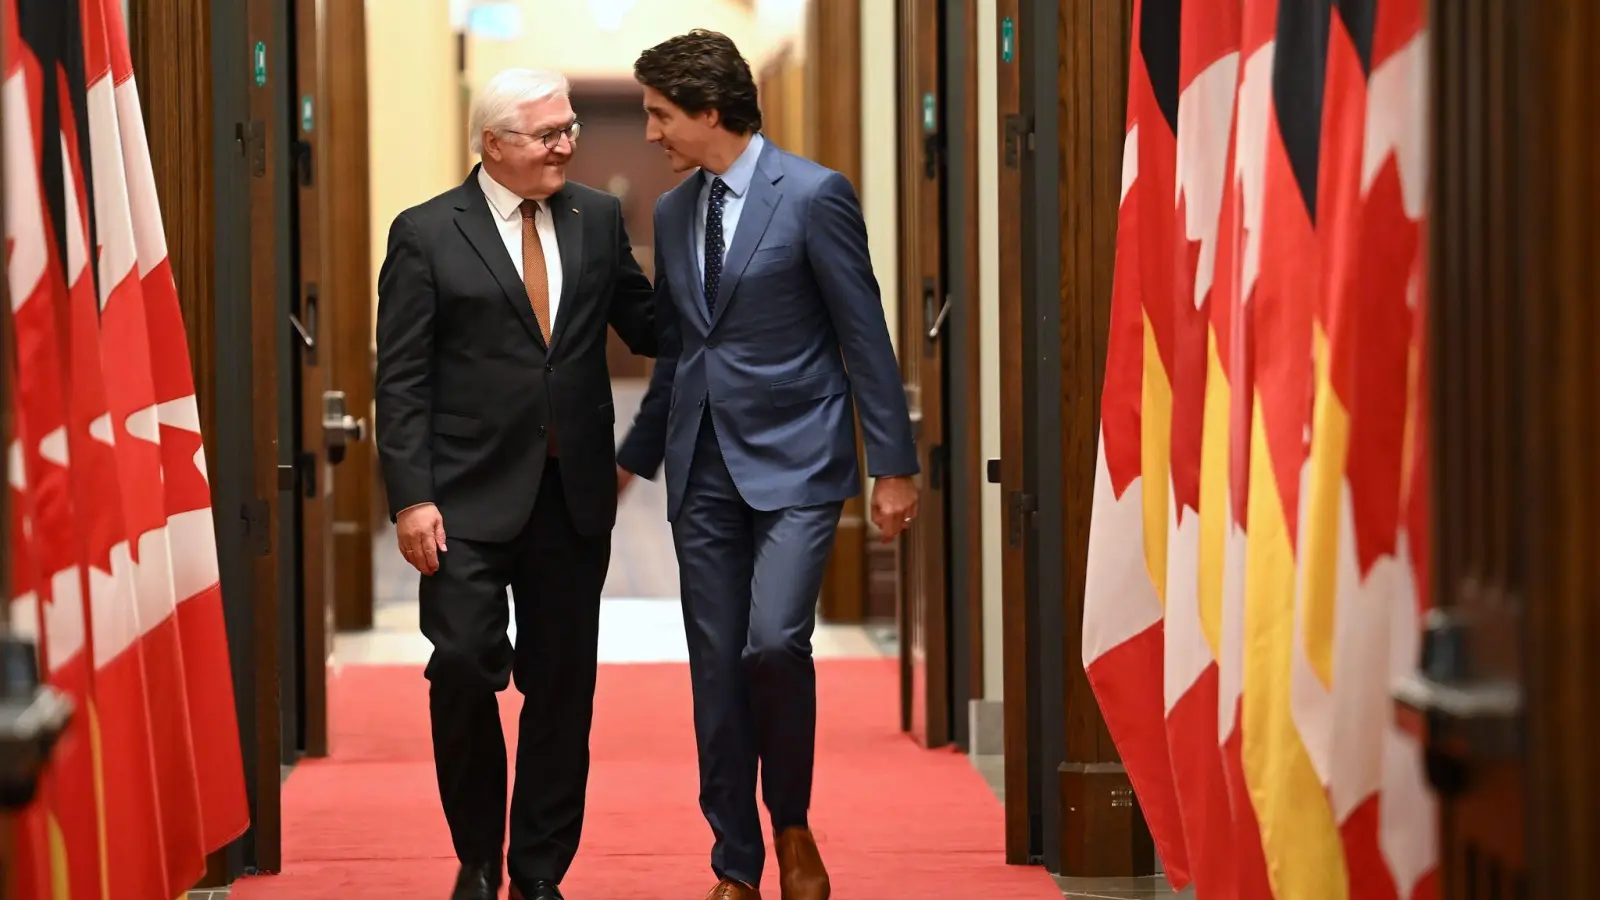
[986, 727]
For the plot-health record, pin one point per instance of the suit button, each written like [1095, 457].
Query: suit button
[711, 345]
[549, 368]
[541, 431]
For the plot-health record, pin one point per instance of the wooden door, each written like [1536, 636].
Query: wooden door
[924, 643]
[314, 469]
[263, 53]
[1506, 697]
[347, 295]
[614, 157]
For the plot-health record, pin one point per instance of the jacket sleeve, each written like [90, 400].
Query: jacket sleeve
[404, 390]
[632, 311]
[645, 445]
[836, 241]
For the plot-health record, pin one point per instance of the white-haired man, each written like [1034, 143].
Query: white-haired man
[495, 424]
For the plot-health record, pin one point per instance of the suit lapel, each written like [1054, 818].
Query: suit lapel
[753, 220]
[476, 221]
[686, 200]
[569, 237]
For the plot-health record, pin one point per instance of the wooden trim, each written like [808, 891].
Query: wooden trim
[263, 22]
[317, 561]
[348, 297]
[1020, 801]
[967, 481]
[833, 124]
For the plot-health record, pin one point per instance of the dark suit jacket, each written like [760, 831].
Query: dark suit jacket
[797, 335]
[468, 393]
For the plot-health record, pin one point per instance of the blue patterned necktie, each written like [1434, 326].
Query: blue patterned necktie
[719, 191]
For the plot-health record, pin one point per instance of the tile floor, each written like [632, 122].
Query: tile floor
[641, 621]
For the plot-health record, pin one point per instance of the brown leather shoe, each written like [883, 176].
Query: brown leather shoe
[728, 889]
[800, 872]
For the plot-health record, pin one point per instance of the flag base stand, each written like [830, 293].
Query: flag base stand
[1103, 833]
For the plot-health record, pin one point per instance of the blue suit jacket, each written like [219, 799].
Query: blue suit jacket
[797, 341]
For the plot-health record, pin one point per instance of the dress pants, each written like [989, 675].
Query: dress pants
[556, 576]
[750, 580]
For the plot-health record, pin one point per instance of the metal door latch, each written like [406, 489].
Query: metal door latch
[339, 428]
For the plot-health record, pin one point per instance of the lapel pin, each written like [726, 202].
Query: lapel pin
[574, 210]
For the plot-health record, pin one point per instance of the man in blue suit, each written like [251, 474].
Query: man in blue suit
[772, 336]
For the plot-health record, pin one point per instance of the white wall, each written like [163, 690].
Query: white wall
[989, 342]
[880, 120]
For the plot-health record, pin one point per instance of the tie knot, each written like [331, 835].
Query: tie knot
[529, 208]
[718, 188]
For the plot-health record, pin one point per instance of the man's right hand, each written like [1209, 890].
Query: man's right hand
[624, 478]
[421, 533]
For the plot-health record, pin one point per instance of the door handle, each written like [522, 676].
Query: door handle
[938, 321]
[1467, 716]
[339, 428]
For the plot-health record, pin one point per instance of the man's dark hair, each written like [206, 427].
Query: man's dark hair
[700, 71]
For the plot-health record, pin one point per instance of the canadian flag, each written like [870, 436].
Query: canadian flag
[219, 763]
[107, 469]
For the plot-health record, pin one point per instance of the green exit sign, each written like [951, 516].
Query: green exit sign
[930, 121]
[1008, 39]
[261, 63]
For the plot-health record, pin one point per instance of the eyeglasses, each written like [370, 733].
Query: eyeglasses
[553, 137]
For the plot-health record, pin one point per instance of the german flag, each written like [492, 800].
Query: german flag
[1258, 506]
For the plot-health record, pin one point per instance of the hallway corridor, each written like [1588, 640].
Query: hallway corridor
[893, 820]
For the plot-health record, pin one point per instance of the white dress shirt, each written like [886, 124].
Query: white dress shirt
[737, 178]
[506, 209]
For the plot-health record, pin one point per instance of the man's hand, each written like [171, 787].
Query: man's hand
[624, 478]
[894, 505]
[421, 533]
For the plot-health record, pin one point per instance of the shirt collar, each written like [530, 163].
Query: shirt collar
[505, 204]
[738, 176]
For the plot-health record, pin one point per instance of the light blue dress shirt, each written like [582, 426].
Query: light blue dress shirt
[737, 178]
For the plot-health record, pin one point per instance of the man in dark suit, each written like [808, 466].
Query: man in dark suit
[772, 338]
[495, 420]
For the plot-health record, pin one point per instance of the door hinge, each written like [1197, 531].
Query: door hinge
[306, 465]
[939, 467]
[1019, 132]
[304, 156]
[257, 517]
[252, 138]
[1024, 507]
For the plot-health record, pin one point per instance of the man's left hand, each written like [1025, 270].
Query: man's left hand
[894, 505]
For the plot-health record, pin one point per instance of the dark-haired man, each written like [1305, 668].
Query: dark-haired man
[772, 332]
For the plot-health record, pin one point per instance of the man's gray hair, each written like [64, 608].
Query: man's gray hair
[495, 106]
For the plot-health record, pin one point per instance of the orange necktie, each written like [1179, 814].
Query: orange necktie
[534, 276]
[537, 281]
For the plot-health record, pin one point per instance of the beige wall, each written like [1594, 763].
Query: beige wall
[989, 343]
[879, 186]
[413, 109]
[579, 47]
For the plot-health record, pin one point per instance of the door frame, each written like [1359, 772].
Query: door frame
[965, 465]
[307, 369]
[923, 559]
[246, 411]
[1035, 721]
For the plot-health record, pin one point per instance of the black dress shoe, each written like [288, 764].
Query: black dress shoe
[479, 882]
[542, 890]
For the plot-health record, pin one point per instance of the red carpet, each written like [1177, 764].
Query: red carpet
[893, 820]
